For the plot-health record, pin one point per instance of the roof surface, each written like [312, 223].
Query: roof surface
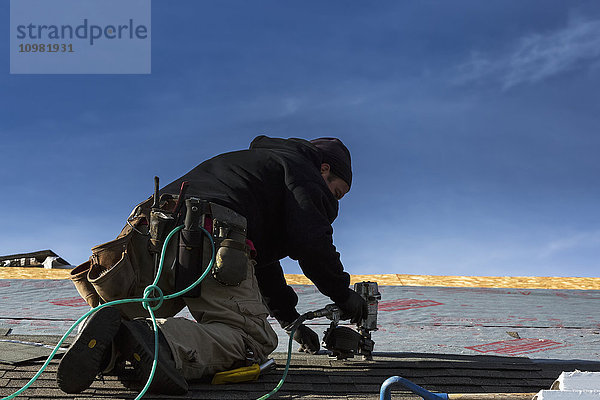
[549, 323]
[318, 377]
[447, 339]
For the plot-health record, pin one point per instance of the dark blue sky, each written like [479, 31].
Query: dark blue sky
[473, 127]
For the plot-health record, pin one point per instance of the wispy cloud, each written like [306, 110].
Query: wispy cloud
[536, 57]
[576, 241]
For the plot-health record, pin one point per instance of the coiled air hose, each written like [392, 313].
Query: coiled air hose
[160, 297]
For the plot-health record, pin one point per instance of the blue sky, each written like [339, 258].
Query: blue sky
[473, 127]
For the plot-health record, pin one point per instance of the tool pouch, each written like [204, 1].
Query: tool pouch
[112, 272]
[229, 232]
[160, 226]
[117, 282]
[86, 290]
[189, 257]
[231, 263]
[124, 266]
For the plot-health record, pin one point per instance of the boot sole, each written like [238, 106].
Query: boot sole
[81, 364]
[137, 347]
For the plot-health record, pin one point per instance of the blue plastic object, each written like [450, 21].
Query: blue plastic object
[386, 389]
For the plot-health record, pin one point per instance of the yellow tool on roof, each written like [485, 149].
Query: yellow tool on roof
[243, 374]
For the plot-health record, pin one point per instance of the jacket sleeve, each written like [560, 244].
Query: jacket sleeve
[309, 213]
[280, 298]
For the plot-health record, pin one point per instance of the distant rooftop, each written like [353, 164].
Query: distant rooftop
[42, 258]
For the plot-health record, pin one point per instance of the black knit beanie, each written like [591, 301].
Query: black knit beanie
[337, 156]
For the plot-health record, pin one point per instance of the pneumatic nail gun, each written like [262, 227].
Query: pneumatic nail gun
[345, 342]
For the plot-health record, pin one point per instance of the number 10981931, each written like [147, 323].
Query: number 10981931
[46, 48]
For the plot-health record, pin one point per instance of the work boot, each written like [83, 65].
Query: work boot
[135, 342]
[90, 352]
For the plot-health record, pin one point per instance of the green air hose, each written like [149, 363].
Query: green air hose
[146, 300]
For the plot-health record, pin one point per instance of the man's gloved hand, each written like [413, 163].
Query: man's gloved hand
[308, 339]
[355, 308]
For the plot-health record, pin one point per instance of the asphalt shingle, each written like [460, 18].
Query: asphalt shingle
[351, 379]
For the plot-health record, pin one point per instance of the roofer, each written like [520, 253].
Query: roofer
[280, 197]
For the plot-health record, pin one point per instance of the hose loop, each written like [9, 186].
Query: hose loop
[149, 296]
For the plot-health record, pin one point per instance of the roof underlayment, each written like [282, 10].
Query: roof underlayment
[452, 339]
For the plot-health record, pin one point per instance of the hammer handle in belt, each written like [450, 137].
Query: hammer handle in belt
[156, 185]
[180, 198]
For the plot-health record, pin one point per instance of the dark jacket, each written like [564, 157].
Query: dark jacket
[277, 186]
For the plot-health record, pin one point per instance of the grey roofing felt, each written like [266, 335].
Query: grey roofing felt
[447, 339]
[541, 323]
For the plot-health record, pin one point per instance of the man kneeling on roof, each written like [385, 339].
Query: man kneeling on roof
[276, 199]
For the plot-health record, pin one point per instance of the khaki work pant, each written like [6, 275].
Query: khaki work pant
[231, 321]
[231, 325]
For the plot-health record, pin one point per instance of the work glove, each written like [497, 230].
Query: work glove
[308, 339]
[354, 308]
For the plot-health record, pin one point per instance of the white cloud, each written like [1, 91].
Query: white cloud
[536, 57]
[575, 241]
